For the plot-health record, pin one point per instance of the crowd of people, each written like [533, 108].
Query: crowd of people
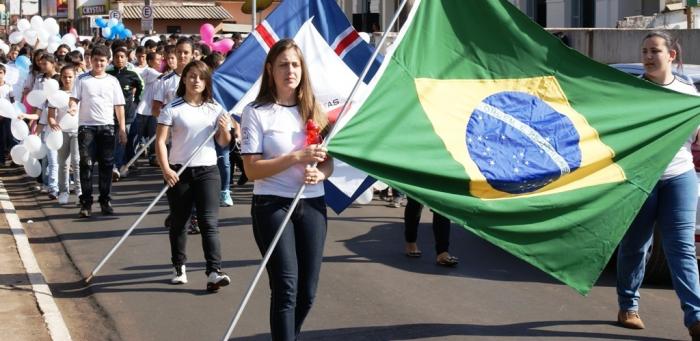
[126, 94]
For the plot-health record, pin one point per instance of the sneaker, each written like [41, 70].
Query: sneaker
[694, 331]
[123, 171]
[106, 208]
[179, 276]
[115, 175]
[242, 180]
[84, 212]
[44, 189]
[63, 198]
[77, 198]
[194, 226]
[217, 279]
[396, 202]
[225, 199]
[630, 319]
[53, 195]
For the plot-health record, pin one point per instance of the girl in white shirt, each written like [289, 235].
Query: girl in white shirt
[69, 148]
[670, 207]
[190, 117]
[277, 157]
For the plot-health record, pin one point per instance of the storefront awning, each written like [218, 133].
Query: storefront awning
[179, 12]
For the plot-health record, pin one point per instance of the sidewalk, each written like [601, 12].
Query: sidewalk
[19, 312]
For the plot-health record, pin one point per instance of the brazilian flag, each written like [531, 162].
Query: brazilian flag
[486, 118]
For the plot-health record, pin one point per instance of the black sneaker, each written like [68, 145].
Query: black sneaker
[194, 227]
[84, 212]
[217, 279]
[106, 208]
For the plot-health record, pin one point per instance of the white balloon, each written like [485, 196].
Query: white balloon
[51, 26]
[50, 86]
[32, 167]
[19, 129]
[52, 47]
[36, 98]
[23, 25]
[7, 109]
[31, 36]
[59, 99]
[41, 153]
[4, 47]
[380, 186]
[16, 37]
[106, 32]
[32, 143]
[81, 50]
[19, 154]
[36, 22]
[43, 35]
[366, 197]
[55, 39]
[54, 140]
[68, 39]
[113, 22]
[69, 122]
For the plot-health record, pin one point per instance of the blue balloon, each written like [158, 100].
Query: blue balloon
[127, 33]
[23, 63]
[119, 27]
[101, 22]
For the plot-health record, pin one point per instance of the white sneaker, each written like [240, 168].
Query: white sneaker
[115, 175]
[217, 279]
[179, 276]
[63, 198]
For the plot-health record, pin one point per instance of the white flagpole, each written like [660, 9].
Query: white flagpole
[280, 229]
[143, 149]
[145, 212]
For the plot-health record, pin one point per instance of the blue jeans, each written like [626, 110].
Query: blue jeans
[49, 167]
[224, 164]
[295, 265]
[96, 143]
[124, 153]
[672, 205]
[198, 187]
[146, 128]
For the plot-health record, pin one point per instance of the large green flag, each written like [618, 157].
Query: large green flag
[483, 116]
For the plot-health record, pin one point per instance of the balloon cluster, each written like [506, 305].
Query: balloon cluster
[43, 34]
[113, 29]
[31, 149]
[222, 46]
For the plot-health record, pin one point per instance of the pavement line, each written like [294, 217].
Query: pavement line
[52, 316]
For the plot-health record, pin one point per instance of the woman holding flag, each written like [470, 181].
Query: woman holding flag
[281, 132]
[190, 117]
[671, 206]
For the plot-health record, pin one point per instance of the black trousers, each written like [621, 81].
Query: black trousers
[96, 144]
[441, 226]
[198, 187]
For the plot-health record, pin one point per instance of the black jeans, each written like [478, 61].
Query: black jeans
[441, 226]
[198, 187]
[295, 265]
[96, 144]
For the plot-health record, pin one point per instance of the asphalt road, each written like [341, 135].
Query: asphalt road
[369, 290]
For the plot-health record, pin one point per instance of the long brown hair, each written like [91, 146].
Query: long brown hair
[204, 72]
[306, 101]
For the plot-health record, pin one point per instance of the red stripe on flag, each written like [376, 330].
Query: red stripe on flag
[265, 35]
[349, 39]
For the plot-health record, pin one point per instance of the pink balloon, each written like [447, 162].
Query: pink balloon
[74, 32]
[28, 107]
[207, 33]
[223, 46]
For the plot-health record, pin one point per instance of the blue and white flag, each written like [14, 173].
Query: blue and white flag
[335, 55]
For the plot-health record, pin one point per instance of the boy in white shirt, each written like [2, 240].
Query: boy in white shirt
[101, 99]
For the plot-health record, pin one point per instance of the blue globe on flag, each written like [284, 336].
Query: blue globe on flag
[520, 143]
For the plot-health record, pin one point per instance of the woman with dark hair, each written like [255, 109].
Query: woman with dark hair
[277, 129]
[670, 207]
[190, 117]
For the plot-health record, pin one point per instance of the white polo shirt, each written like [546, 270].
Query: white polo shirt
[150, 80]
[683, 161]
[273, 130]
[167, 88]
[190, 126]
[97, 97]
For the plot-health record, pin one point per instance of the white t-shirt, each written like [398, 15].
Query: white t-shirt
[683, 161]
[167, 88]
[97, 97]
[273, 130]
[190, 126]
[150, 80]
[6, 91]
